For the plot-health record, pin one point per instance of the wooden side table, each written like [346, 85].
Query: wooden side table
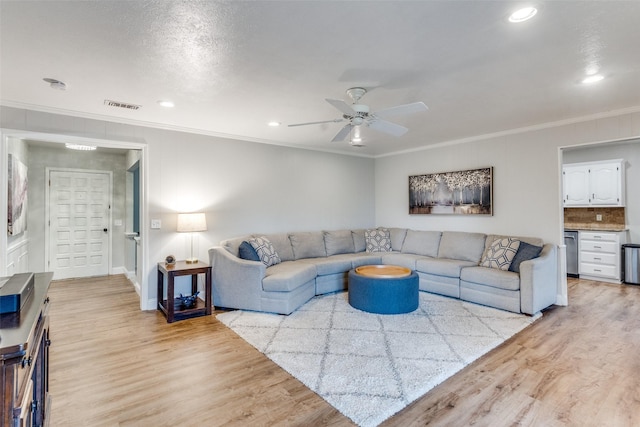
[170, 307]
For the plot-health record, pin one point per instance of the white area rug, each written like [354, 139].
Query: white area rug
[370, 366]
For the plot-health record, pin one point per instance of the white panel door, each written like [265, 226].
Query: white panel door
[79, 204]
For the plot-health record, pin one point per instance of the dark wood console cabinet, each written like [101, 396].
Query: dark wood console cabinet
[24, 354]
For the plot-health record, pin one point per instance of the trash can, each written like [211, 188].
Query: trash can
[631, 263]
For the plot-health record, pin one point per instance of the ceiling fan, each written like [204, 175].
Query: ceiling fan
[358, 115]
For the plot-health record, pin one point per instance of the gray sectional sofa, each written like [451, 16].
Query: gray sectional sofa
[315, 263]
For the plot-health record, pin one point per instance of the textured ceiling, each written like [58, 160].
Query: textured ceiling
[231, 67]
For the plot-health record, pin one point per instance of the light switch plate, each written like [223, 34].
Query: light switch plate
[156, 224]
[598, 217]
[117, 223]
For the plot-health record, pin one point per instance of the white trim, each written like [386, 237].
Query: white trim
[4, 206]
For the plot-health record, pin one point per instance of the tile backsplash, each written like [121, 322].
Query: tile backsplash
[614, 217]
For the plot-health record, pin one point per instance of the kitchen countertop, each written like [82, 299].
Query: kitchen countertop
[592, 227]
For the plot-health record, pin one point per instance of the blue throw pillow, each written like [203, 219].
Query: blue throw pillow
[525, 253]
[246, 251]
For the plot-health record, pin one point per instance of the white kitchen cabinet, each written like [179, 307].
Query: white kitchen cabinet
[575, 179]
[594, 183]
[599, 255]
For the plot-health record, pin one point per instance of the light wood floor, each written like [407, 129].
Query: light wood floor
[114, 365]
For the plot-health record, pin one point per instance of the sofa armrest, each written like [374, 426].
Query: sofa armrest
[235, 282]
[538, 281]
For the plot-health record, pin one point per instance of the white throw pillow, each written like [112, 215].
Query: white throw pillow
[500, 254]
[265, 250]
[378, 240]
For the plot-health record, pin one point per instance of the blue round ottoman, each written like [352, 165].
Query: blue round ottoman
[383, 293]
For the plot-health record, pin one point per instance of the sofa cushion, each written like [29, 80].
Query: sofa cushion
[500, 253]
[397, 238]
[403, 260]
[233, 245]
[330, 265]
[308, 245]
[364, 258]
[378, 240]
[443, 266]
[265, 250]
[461, 245]
[338, 242]
[359, 241]
[422, 243]
[525, 253]
[246, 251]
[282, 244]
[288, 276]
[492, 277]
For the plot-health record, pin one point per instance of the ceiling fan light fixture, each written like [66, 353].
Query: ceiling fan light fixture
[523, 14]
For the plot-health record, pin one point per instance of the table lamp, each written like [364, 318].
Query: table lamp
[191, 223]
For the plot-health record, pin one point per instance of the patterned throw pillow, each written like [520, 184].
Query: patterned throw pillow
[378, 240]
[265, 250]
[500, 253]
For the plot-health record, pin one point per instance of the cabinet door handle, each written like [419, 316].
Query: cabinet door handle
[599, 271]
[597, 259]
[597, 247]
[26, 362]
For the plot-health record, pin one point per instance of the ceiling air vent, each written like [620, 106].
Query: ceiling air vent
[111, 103]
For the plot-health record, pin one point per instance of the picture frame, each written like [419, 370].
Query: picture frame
[466, 192]
[17, 197]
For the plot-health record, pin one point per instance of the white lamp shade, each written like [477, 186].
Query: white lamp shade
[190, 222]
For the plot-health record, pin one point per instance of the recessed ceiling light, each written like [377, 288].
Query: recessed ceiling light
[80, 147]
[592, 79]
[523, 14]
[166, 104]
[274, 124]
[55, 84]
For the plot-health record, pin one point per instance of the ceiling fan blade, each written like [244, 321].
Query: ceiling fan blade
[342, 106]
[398, 110]
[316, 123]
[387, 127]
[344, 132]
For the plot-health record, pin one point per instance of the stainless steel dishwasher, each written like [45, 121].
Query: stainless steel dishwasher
[571, 242]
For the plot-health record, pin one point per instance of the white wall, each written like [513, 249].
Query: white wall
[630, 152]
[243, 187]
[527, 190]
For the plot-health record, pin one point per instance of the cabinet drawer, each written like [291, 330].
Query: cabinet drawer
[606, 237]
[596, 258]
[599, 270]
[605, 247]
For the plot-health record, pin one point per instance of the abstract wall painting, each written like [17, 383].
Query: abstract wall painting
[468, 192]
[17, 212]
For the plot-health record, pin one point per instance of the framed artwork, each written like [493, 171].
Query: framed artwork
[468, 192]
[17, 212]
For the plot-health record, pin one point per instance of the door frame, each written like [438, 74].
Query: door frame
[7, 133]
[47, 213]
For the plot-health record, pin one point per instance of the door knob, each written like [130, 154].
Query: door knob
[104, 229]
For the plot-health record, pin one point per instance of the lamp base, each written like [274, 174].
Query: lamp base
[191, 260]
